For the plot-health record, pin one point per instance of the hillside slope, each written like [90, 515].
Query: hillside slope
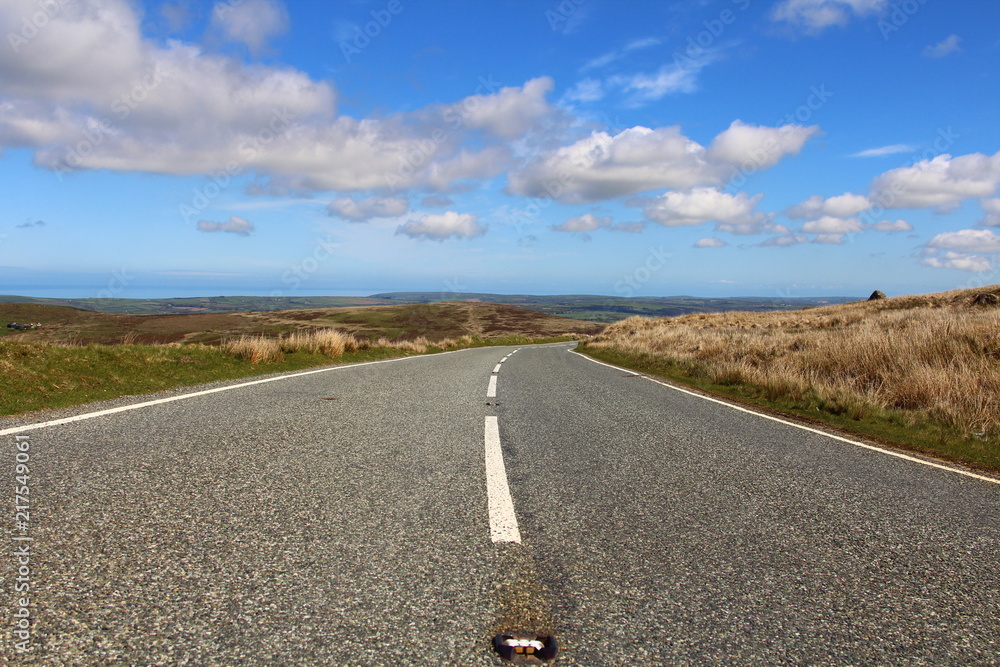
[921, 372]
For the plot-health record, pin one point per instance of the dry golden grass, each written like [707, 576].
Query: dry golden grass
[933, 357]
[255, 349]
[329, 342]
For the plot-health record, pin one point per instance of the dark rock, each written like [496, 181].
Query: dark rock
[986, 300]
[876, 295]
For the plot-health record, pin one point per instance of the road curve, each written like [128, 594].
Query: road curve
[342, 518]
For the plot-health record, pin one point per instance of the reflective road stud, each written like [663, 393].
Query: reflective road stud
[526, 650]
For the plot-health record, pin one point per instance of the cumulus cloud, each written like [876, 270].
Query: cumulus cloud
[892, 226]
[979, 241]
[701, 205]
[235, 225]
[366, 209]
[759, 147]
[440, 227]
[250, 22]
[829, 239]
[710, 243]
[815, 16]
[830, 225]
[841, 206]
[90, 92]
[945, 47]
[508, 113]
[639, 159]
[784, 241]
[959, 261]
[991, 207]
[942, 182]
[587, 222]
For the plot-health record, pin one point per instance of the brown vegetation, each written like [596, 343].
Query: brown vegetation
[436, 321]
[927, 358]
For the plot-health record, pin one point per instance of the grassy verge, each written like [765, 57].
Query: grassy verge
[894, 428]
[37, 376]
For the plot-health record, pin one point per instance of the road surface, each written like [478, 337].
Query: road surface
[355, 516]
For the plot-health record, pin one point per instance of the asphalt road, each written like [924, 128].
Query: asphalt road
[341, 518]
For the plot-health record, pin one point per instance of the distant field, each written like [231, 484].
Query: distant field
[61, 324]
[78, 356]
[582, 307]
[921, 372]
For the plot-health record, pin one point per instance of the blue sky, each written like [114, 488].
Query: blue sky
[291, 147]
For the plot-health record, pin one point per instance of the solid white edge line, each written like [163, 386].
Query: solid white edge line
[503, 520]
[181, 397]
[491, 391]
[802, 427]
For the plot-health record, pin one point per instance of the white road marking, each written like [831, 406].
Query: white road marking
[491, 391]
[503, 521]
[864, 445]
[181, 397]
[497, 369]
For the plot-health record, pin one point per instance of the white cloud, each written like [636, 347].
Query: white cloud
[830, 225]
[991, 207]
[438, 227]
[945, 47]
[508, 113]
[90, 79]
[958, 261]
[942, 182]
[892, 226]
[235, 225]
[829, 239]
[980, 241]
[365, 209]
[710, 243]
[841, 206]
[250, 22]
[587, 222]
[640, 159]
[759, 147]
[675, 77]
[784, 241]
[587, 90]
[701, 205]
[814, 16]
[882, 151]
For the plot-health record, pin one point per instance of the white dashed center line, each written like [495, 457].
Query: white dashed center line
[497, 369]
[491, 391]
[503, 521]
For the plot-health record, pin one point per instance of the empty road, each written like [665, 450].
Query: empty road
[403, 512]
